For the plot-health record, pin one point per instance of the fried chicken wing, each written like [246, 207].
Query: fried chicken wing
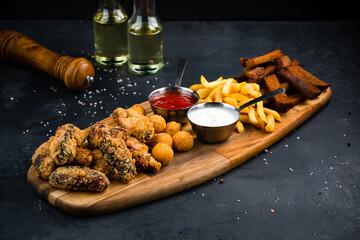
[79, 178]
[112, 146]
[65, 148]
[64, 144]
[99, 163]
[143, 159]
[43, 164]
[83, 157]
[99, 132]
[138, 125]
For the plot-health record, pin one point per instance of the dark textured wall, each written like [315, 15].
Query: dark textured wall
[189, 9]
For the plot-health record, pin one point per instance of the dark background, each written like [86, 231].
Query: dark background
[188, 9]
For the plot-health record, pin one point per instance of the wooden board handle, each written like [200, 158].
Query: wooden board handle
[15, 47]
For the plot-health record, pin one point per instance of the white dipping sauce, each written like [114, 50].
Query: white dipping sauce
[213, 116]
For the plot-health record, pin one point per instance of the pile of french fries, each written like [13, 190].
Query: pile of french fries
[236, 94]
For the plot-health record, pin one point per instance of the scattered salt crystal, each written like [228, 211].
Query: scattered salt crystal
[291, 169]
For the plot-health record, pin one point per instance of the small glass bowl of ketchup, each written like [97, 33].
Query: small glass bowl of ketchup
[172, 103]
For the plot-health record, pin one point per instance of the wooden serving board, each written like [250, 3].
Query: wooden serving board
[187, 169]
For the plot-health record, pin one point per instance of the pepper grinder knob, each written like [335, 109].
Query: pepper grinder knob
[77, 73]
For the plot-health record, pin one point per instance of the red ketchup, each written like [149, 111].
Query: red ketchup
[172, 100]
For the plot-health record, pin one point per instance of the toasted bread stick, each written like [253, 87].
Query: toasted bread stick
[296, 98]
[283, 62]
[243, 61]
[282, 103]
[254, 72]
[314, 80]
[295, 63]
[299, 81]
[264, 58]
[241, 77]
[269, 68]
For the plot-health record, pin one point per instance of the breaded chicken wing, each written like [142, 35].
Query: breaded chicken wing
[43, 164]
[112, 145]
[65, 148]
[143, 159]
[99, 163]
[79, 178]
[138, 125]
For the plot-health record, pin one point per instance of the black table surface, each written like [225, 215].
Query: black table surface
[307, 185]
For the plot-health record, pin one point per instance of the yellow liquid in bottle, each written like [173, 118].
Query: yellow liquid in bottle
[145, 48]
[110, 38]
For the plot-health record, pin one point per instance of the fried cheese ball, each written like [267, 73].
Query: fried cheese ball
[161, 138]
[183, 141]
[172, 127]
[162, 153]
[159, 123]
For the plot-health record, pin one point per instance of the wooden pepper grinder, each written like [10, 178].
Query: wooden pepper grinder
[76, 73]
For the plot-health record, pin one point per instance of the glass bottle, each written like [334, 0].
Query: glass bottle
[145, 40]
[110, 27]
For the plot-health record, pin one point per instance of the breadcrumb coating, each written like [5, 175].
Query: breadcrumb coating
[138, 125]
[79, 178]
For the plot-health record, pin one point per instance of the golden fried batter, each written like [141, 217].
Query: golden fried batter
[183, 141]
[158, 122]
[138, 108]
[99, 163]
[163, 153]
[143, 159]
[138, 125]
[172, 127]
[64, 148]
[43, 164]
[64, 145]
[83, 157]
[79, 178]
[161, 138]
[112, 145]
[99, 132]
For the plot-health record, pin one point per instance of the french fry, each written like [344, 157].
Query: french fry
[213, 84]
[275, 114]
[260, 123]
[260, 111]
[246, 88]
[245, 101]
[238, 96]
[203, 92]
[252, 118]
[270, 126]
[231, 101]
[213, 91]
[236, 87]
[244, 118]
[239, 127]
[218, 96]
[196, 87]
[227, 86]
[255, 86]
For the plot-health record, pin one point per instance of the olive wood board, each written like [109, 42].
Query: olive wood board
[187, 169]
